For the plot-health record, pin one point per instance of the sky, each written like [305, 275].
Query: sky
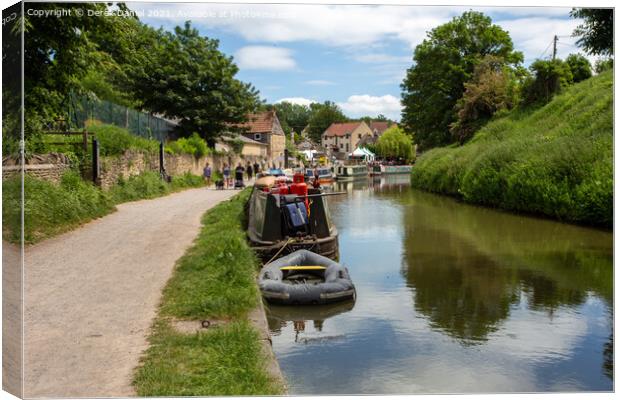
[354, 55]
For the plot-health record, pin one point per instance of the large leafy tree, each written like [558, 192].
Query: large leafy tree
[549, 78]
[323, 115]
[596, 33]
[190, 80]
[58, 54]
[443, 62]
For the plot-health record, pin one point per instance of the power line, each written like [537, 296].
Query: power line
[545, 51]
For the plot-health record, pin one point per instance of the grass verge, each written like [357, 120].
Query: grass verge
[51, 209]
[214, 279]
[555, 161]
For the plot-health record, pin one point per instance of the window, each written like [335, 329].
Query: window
[347, 147]
[258, 136]
[341, 145]
[359, 135]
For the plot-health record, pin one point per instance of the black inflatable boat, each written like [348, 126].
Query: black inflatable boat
[304, 277]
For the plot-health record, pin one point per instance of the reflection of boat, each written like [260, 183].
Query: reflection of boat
[279, 315]
[325, 175]
[281, 223]
[345, 172]
[391, 169]
[304, 277]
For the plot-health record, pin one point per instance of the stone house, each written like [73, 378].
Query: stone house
[377, 128]
[265, 128]
[344, 137]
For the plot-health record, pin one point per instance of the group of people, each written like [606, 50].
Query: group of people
[227, 182]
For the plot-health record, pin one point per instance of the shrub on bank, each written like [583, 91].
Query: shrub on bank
[114, 140]
[555, 161]
[194, 145]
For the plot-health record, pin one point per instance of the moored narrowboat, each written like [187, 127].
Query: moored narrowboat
[279, 224]
[346, 172]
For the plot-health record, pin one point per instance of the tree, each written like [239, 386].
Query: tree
[323, 115]
[550, 77]
[602, 65]
[596, 34]
[293, 117]
[189, 79]
[443, 62]
[58, 54]
[493, 87]
[396, 144]
[580, 67]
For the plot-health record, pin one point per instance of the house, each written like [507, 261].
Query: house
[344, 137]
[264, 127]
[377, 128]
[251, 147]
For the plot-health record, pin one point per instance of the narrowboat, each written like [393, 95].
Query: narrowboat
[346, 172]
[279, 224]
[391, 169]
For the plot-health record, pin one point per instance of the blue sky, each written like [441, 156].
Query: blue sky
[353, 55]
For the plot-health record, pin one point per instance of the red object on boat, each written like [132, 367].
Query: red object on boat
[300, 188]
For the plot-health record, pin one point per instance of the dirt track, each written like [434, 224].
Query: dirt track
[91, 294]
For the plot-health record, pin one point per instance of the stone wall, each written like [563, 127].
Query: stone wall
[49, 167]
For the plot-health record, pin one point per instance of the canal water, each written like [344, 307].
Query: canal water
[453, 298]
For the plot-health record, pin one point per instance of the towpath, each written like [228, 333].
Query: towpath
[91, 294]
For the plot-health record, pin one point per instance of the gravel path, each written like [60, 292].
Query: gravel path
[91, 294]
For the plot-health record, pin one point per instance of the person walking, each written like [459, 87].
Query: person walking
[249, 171]
[226, 173]
[256, 168]
[239, 175]
[206, 173]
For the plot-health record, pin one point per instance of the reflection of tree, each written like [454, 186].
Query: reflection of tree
[608, 357]
[468, 264]
[462, 293]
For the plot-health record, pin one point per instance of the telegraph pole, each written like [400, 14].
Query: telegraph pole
[555, 46]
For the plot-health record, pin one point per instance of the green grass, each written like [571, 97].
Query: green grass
[214, 279]
[51, 209]
[555, 161]
[114, 140]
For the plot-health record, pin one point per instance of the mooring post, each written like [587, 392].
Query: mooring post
[95, 161]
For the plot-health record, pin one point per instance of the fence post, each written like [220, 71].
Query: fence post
[162, 169]
[95, 161]
[285, 158]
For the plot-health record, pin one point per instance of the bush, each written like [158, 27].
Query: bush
[193, 145]
[550, 77]
[580, 67]
[395, 143]
[115, 141]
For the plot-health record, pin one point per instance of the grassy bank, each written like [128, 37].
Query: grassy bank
[51, 209]
[215, 279]
[555, 161]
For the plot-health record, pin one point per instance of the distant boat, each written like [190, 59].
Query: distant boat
[347, 172]
[325, 175]
[280, 224]
[391, 169]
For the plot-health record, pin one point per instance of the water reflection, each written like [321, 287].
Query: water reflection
[498, 302]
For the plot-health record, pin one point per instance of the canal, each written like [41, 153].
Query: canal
[453, 298]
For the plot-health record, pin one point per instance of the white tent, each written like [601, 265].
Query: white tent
[364, 153]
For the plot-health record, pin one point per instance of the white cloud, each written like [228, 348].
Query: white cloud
[264, 57]
[297, 100]
[364, 104]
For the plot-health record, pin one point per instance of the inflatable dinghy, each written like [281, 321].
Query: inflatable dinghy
[304, 277]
